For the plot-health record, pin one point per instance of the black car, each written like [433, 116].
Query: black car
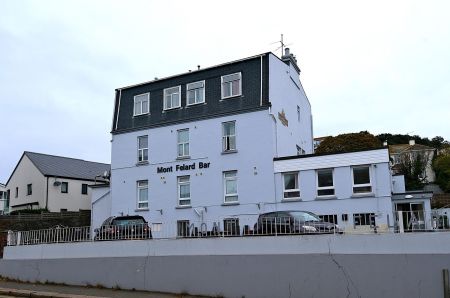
[123, 227]
[293, 222]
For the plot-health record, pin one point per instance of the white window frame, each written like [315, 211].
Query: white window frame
[225, 138]
[141, 151]
[325, 187]
[184, 155]
[364, 184]
[225, 179]
[140, 185]
[231, 88]
[181, 180]
[141, 104]
[287, 191]
[171, 99]
[195, 94]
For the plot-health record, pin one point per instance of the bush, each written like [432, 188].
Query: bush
[441, 166]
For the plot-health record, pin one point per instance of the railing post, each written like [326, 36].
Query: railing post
[401, 228]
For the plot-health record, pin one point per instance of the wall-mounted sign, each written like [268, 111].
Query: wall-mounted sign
[283, 119]
[183, 167]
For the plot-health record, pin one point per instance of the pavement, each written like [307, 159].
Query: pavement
[21, 289]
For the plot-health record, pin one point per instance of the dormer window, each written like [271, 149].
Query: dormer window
[172, 98]
[231, 85]
[195, 93]
[141, 104]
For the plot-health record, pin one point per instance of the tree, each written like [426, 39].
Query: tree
[413, 166]
[349, 142]
[441, 166]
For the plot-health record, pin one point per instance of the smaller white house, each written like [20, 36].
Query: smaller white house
[55, 183]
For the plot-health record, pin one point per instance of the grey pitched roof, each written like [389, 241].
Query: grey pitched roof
[51, 165]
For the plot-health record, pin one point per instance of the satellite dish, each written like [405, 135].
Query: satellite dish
[56, 183]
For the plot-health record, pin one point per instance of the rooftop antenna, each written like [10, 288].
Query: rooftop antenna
[282, 45]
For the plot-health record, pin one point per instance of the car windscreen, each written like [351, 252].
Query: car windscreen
[304, 216]
[128, 222]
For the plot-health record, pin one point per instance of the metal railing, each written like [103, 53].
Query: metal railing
[421, 221]
[54, 235]
[357, 223]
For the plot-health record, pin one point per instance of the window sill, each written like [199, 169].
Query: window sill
[230, 204]
[322, 198]
[183, 157]
[196, 104]
[139, 115]
[172, 109]
[233, 96]
[229, 152]
[141, 163]
[363, 195]
[141, 210]
[183, 207]
[285, 200]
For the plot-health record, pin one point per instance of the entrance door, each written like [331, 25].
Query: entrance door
[412, 215]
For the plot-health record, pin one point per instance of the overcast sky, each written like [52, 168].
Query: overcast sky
[381, 66]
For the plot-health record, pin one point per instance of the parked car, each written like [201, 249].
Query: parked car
[123, 227]
[293, 222]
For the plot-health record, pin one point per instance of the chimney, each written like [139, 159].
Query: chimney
[290, 59]
[412, 142]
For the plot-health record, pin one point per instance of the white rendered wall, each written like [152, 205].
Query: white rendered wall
[286, 93]
[27, 173]
[253, 161]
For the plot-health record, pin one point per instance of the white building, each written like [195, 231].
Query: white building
[55, 183]
[230, 142]
[4, 203]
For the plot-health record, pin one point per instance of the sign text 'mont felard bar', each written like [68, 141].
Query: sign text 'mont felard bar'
[183, 167]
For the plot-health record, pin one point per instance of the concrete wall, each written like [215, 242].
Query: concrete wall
[101, 206]
[286, 93]
[382, 265]
[253, 162]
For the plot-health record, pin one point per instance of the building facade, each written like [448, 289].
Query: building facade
[55, 183]
[200, 146]
[4, 202]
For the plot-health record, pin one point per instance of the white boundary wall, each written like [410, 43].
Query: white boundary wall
[379, 265]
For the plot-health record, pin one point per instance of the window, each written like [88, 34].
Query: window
[84, 189]
[231, 85]
[184, 191]
[364, 219]
[325, 185]
[300, 150]
[183, 143]
[17, 192]
[290, 189]
[195, 93]
[231, 227]
[142, 148]
[64, 187]
[142, 193]
[228, 136]
[141, 104]
[361, 180]
[298, 113]
[29, 189]
[230, 186]
[183, 228]
[172, 98]
[332, 218]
